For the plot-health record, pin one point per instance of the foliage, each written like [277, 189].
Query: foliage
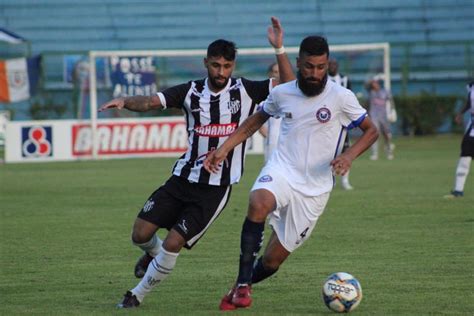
[43, 108]
[424, 113]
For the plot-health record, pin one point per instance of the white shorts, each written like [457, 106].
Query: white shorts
[296, 214]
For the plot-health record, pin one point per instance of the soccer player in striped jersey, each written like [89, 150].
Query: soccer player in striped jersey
[191, 200]
[467, 147]
[294, 185]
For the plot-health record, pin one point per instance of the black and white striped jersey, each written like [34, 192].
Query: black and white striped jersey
[341, 80]
[210, 119]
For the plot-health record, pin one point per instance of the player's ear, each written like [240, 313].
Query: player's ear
[205, 62]
[298, 62]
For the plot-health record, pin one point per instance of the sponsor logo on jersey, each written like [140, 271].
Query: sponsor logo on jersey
[323, 115]
[216, 130]
[288, 115]
[265, 178]
[36, 141]
[233, 106]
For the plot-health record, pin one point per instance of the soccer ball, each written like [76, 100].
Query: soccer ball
[342, 292]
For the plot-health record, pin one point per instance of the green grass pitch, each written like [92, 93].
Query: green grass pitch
[66, 250]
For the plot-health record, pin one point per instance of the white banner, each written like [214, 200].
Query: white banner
[62, 140]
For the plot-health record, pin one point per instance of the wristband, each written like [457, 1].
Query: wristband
[279, 51]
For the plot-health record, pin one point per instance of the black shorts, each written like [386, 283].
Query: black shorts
[189, 208]
[467, 145]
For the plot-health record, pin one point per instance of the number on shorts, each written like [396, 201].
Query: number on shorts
[303, 234]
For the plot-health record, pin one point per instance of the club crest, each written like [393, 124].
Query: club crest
[323, 115]
[265, 178]
[234, 106]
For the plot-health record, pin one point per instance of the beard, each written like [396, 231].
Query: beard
[311, 88]
[216, 84]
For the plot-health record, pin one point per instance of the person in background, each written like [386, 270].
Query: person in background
[343, 80]
[378, 98]
[467, 146]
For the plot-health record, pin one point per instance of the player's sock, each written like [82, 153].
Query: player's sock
[462, 171]
[345, 182]
[157, 271]
[375, 150]
[152, 247]
[260, 273]
[251, 241]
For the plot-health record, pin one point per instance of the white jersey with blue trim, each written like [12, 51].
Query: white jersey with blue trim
[312, 133]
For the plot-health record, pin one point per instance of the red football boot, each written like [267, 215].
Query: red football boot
[226, 301]
[241, 297]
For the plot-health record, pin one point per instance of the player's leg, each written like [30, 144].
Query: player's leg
[268, 264]
[464, 164]
[387, 135]
[202, 205]
[261, 203]
[144, 236]
[375, 146]
[162, 209]
[269, 191]
[161, 266]
[345, 178]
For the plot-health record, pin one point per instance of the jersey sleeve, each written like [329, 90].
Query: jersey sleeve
[270, 106]
[257, 90]
[173, 97]
[354, 113]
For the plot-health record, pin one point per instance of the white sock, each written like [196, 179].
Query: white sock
[157, 271]
[152, 247]
[345, 178]
[375, 148]
[462, 171]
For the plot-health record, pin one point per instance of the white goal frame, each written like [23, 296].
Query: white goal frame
[202, 52]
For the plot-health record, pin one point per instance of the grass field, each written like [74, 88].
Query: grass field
[66, 250]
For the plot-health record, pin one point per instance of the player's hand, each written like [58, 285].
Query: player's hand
[213, 161]
[341, 165]
[458, 119]
[275, 33]
[118, 103]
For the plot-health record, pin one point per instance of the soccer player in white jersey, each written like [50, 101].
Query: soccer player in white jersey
[294, 186]
[467, 146]
[343, 80]
[190, 201]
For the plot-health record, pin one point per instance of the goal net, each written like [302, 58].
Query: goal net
[124, 73]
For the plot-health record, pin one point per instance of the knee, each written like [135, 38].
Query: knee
[140, 237]
[261, 203]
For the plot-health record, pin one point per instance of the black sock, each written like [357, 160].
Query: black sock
[251, 241]
[260, 273]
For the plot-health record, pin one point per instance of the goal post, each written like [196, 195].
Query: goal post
[353, 53]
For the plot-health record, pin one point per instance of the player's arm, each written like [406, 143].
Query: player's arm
[137, 103]
[342, 163]
[275, 37]
[263, 131]
[247, 129]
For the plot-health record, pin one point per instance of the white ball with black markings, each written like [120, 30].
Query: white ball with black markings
[342, 292]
